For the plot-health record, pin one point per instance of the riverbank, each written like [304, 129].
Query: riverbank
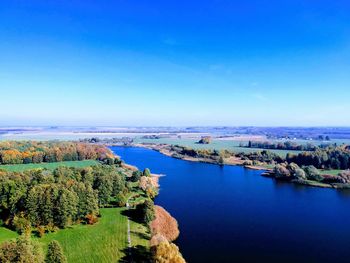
[232, 160]
[233, 199]
[169, 151]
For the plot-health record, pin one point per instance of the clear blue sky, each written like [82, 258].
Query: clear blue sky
[217, 62]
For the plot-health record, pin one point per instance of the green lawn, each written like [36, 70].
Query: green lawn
[6, 234]
[104, 242]
[50, 166]
[330, 172]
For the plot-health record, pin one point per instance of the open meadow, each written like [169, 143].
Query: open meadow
[50, 166]
[103, 242]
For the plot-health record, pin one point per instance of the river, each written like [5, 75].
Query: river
[232, 214]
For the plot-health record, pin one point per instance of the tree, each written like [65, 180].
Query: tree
[136, 175]
[23, 250]
[312, 173]
[55, 253]
[67, 210]
[166, 252]
[300, 174]
[282, 172]
[146, 210]
[147, 172]
[221, 160]
[205, 140]
[164, 224]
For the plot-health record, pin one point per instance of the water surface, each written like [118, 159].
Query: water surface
[231, 214]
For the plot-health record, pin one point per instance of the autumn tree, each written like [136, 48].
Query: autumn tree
[167, 252]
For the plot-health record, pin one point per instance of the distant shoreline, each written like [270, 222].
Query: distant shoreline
[267, 172]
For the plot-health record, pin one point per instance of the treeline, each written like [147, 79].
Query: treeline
[118, 141]
[25, 250]
[331, 157]
[45, 200]
[18, 152]
[219, 156]
[288, 145]
[303, 174]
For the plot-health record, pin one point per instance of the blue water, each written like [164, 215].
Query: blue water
[231, 214]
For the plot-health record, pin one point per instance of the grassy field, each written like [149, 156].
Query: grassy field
[6, 234]
[214, 145]
[104, 242]
[330, 172]
[50, 166]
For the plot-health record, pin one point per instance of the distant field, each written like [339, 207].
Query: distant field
[50, 166]
[330, 172]
[215, 144]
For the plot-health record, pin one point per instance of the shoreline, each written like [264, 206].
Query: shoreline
[234, 161]
[231, 161]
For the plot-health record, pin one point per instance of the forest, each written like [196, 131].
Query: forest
[37, 202]
[24, 152]
[331, 157]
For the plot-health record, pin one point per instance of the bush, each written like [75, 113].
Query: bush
[91, 219]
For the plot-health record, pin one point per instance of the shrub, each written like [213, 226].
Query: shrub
[91, 219]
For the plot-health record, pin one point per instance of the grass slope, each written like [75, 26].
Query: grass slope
[104, 242]
[50, 166]
[331, 172]
[6, 234]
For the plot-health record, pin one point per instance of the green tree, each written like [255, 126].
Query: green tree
[146, 210]
[55, 253]
[66, 208]
[312, 173]
[146, 172]
[23, 250]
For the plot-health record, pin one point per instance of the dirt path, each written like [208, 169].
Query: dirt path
[128, 233]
